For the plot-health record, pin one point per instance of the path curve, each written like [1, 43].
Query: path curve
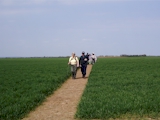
[62, 105]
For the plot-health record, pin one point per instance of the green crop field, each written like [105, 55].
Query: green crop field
[122, 88]
[25, 83]
[117, 87]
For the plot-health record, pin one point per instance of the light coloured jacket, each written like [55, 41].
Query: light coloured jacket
[94, 57]
[73, 61]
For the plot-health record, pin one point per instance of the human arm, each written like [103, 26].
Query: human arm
[77, 62]
[69, 62]
[80, 62]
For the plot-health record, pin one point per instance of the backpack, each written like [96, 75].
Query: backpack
[73, 58]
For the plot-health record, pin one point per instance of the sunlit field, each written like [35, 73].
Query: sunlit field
[25, 83]
[122, 88]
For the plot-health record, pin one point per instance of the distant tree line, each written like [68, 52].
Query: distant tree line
[124, 55]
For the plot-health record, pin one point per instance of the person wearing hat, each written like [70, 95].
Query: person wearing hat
[74, 62]
[83, 62]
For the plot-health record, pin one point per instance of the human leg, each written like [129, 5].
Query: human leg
[74, 71]
[84, 72]
[82, 69]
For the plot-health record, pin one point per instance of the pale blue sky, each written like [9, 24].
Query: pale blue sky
[59, 27]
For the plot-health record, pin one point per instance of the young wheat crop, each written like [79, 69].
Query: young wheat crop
[25, 83]
[122, 88]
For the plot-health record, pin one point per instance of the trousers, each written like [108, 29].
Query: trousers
[74, 70]
[83, 69]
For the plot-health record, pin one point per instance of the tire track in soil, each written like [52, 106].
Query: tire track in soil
[62, 104]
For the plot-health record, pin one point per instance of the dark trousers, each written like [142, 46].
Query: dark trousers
[83, 69]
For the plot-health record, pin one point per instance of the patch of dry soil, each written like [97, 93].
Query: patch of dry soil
[62, 105]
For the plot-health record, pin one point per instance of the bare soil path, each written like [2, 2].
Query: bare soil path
[62, 105]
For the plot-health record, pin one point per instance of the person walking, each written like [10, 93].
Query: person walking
[94, 58]
[74, 63]
[90, 59]
[83, 62]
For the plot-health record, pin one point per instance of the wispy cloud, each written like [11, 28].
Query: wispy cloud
[21, 2]
[67, 2]
[19, 11]
[86, 39]
[73, 2]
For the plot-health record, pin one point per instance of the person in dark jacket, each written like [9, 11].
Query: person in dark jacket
[83, 62]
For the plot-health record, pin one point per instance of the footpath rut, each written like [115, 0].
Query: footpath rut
[62, 105]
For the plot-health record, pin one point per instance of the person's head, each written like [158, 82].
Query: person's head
[83, 53]
[73, 54]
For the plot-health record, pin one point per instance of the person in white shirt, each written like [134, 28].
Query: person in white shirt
[94, 58]
[74, 63]
[90, 59]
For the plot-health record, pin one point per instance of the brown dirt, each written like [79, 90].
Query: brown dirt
[62, 105]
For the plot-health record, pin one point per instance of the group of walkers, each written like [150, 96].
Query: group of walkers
[82, 62]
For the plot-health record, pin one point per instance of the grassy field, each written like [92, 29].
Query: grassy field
[25, 83]
[122, 88]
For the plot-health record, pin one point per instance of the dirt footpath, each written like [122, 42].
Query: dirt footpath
[63, 103]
